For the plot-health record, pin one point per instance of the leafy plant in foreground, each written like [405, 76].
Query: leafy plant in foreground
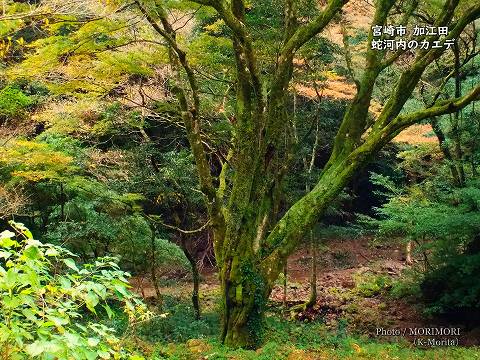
[44, 294]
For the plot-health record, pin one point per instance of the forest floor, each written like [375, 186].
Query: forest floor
[354, 285]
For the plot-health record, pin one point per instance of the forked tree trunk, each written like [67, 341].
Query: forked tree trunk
[248, 272]
[251, 242]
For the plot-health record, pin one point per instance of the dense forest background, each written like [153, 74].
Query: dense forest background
[237, 180]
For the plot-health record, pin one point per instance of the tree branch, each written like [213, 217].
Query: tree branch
[440, 108]
[307, 32]
[157, 220]
[190, 115]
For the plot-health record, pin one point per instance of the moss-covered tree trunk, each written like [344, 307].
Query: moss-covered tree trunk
[244, 294]
[257, 240]
[252, 259]
[252, 240]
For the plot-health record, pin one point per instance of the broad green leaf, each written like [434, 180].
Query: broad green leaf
[36, 348]
[65, 283]
[91, 300]
[22, 228]
[73, 339]
[103, 354]
[10, 278]
[32, 253]
[100, 290]
[29, 314]
[93, 341]
[11, 302]
[71, 264]
[6, 242]
[52, 252]
[109, 311]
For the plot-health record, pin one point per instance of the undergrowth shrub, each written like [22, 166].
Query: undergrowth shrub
[179, 324]
[13, 102]
[44, 296]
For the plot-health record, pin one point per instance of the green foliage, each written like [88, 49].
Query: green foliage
[13, 102]
[443, 222]
[326, 232]
[180, 324]
[289, 340]
[44, 294]
[33, 161]
[408, 286]
[170, 256]
[112, 147]
[368, 285]
[320, 51]
[454, 288]
[433, 211]
[103, 227]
